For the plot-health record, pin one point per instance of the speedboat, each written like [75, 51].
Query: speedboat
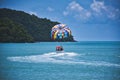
[59, 49]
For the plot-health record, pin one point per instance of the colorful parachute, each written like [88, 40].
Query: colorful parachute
[60, 31]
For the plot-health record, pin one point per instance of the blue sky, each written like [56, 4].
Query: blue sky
[89, 20]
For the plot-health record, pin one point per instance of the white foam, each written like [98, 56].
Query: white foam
[98, 63]
[64, 57]
[54, 54]
[48, 57]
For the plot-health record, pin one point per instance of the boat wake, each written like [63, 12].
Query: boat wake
[63, 57]
[47, 57]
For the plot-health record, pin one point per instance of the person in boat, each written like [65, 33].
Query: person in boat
[59, 48]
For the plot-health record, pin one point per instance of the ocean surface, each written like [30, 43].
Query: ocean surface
[79, 61]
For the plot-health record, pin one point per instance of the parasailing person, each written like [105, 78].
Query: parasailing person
[59, 32]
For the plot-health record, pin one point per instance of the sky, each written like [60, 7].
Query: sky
[89, 20]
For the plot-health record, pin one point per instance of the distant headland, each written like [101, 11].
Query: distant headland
[18, 26]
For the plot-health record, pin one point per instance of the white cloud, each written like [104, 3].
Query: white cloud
[50, 9]
[97, 6]
[75, 6]
[77, 11]
[33, 13]
[88, 14]
[96, 10]
[84, 15]
[113, 13]
[65, 13]
[100, 8]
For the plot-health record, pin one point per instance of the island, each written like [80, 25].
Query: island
[19, 26]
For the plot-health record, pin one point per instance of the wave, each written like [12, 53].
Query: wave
[47, 57]
[63, 57]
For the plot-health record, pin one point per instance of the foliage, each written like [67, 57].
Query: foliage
[18, 26]
[10, 31]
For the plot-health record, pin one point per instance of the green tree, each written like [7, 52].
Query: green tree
[18, 26]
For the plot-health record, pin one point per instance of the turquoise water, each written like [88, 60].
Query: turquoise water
[79, 61]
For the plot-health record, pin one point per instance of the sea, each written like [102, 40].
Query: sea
[84, 60]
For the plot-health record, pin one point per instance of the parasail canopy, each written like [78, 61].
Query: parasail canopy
[60, 31]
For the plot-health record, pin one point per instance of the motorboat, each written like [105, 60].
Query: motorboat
[59, 49]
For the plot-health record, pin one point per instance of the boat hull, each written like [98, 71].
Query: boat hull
[59, 51]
